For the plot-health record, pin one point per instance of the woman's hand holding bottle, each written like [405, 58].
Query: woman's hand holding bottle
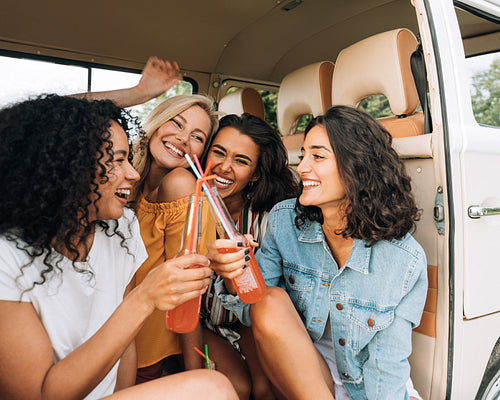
[174, 282]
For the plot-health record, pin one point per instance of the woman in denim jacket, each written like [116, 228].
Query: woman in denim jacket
[347, 282]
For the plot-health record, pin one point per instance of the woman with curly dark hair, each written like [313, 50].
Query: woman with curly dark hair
[251, 165]
[69, 249]
[352, 280]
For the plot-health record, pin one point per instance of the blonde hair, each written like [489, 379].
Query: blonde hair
[161, 114]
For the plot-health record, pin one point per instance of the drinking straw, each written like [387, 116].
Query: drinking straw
[209, 363]
[211, 199]
[197, 162]
[225, 223]
[208, 359]
[197, 195]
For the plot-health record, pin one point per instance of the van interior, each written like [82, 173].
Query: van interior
[311, 54]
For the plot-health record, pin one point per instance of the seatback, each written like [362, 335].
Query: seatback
[377, 65]
[244, 100]
[304, 91]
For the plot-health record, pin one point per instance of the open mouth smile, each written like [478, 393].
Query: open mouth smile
[178, 152]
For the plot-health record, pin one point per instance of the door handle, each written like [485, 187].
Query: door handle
[478, 211]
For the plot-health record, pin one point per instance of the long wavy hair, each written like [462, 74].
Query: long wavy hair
[379, 203]
[55, 152]
[276, 181]
[161, 114]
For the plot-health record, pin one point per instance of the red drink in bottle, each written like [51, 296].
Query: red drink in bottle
[184, 318]
[250, 285]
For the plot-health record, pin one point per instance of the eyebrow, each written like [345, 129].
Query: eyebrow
[237, 155]
[317, 147]
[120, 152]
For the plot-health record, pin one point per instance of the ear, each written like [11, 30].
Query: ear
[255, 178]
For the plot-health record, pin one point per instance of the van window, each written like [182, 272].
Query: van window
[270, 100]
[21, 78]
[484, 84]
[377, 106]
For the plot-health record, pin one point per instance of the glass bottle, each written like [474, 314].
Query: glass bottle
[250, 285]
[184, 318]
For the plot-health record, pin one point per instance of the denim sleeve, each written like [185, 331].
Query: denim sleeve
[387, 370]
[269, 259]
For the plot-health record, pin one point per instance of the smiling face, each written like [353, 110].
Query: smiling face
[121, 177]
[318, 171]
[187, 132]
[234, 156]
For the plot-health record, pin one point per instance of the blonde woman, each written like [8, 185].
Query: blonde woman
[179, 125]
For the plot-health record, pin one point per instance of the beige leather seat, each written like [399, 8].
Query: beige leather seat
[378, 65]
[302, 92]
[244, 100]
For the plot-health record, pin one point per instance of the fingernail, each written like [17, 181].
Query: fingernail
[247, 258]
[239, 244]
[244, 266]
[247, 251]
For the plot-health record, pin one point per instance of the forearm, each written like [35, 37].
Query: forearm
[127, 370]
[81, 371]
[121, 97]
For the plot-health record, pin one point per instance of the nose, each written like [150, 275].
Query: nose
[131, 173]
[225, 165]
[302, 167]
[182, 136]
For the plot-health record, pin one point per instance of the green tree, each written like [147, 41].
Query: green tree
[485, 95]
[270, 100]
[377, 106]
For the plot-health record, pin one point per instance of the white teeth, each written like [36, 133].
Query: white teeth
[174, 149]
[223, 181]
[310, 183]
[123, 192]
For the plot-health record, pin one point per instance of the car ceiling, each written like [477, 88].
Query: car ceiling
[254, 39]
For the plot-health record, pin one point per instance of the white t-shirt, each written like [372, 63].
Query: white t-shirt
[72, 305]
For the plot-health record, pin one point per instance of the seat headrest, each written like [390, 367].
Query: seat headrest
[244, 100]
[304, 91]
[377, 65]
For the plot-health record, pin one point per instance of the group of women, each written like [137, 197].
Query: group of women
[85, 279]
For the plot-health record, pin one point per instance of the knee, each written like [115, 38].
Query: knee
[220, 385]
[265, 314]
[262, 391]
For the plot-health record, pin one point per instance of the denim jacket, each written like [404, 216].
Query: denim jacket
[374, 301]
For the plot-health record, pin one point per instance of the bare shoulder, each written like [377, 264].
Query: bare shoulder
[177, 184]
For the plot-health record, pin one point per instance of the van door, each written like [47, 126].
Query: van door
[472, 161]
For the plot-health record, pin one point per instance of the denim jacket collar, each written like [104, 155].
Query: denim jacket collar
[359, 259]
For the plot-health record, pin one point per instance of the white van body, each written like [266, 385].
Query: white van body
[223, 44]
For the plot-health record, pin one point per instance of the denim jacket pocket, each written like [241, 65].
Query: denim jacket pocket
[299, 286]
[365, 322]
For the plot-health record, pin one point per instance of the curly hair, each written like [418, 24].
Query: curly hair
[379, 203]
[161, 114]
[56, 151]
[276, 181]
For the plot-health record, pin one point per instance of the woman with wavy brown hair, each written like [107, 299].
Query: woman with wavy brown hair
[346, 280]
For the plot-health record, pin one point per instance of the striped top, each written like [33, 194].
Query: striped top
[212, 309]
